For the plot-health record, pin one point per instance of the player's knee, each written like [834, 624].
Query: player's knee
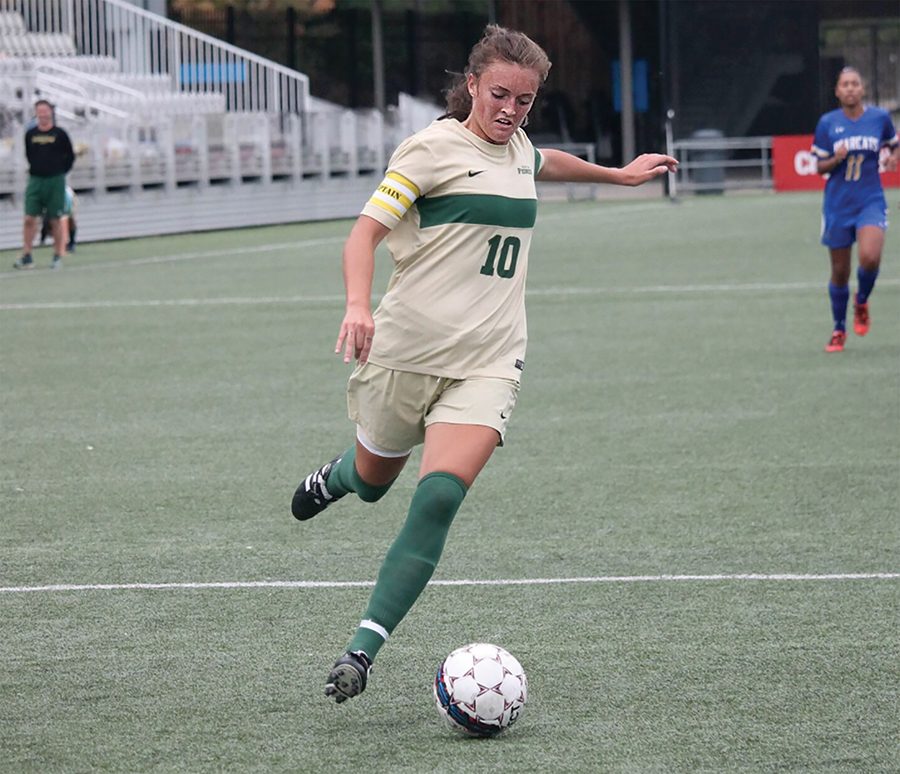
[444, 493]
[870, 261]
[371, 493]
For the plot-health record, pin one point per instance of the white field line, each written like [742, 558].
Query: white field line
[562, 292]
[168, 302]
[725, 287]
[255, 249]
[189, 256]
[617, 579]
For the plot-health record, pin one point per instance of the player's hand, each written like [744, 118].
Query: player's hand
[355, 337]
[646, 167]
[840, 151]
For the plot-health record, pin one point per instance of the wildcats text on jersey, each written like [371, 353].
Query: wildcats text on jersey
[858, 143]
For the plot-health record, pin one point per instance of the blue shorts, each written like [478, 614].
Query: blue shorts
[839, 228]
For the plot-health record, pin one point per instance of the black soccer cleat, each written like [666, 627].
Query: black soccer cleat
[312, 496]
[348, 676]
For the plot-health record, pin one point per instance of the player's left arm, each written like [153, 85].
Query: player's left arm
[893, 159]
[890, 142]
[559, 166]
[67, 152]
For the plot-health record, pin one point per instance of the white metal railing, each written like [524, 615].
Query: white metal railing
[715, 164]
[413, 114]
[150, 103]
[147, 44]
[146, 150]
[63, 84]
[63, 91]
[84, 79]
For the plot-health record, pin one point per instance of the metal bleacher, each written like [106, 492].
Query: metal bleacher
[175, 130]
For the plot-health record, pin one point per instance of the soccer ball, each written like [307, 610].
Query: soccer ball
[480, 689]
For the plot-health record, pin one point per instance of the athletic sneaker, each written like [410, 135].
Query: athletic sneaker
[24, 262]
[312, 496]
[860, 318]
[348, 676]
[836, 344]
[57, 262]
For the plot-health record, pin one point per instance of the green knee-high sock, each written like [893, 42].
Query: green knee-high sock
[343, 479]
[411, 559]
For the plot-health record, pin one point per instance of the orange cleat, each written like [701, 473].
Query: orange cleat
[837, 342]
[860, 318]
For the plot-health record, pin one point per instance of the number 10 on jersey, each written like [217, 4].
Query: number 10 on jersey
[505, 262]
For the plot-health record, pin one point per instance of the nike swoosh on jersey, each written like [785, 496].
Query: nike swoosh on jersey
[472, 173]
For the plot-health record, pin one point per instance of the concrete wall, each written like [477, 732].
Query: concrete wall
[157, 211]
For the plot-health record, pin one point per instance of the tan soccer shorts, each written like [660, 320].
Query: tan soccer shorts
[393, 408]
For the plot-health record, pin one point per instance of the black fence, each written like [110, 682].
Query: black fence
[335, 49]
[742, 67]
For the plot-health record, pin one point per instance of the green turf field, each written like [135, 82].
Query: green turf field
[678, 417]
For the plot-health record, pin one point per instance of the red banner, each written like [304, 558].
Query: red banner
[794, 167]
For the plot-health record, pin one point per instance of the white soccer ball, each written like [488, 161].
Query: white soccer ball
[480, 689]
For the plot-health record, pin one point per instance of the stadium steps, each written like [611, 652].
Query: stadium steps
[174, 152]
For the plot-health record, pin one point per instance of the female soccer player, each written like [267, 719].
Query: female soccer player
[440, 361]
[848, 142]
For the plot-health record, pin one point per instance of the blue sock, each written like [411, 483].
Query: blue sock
[866, 281]
[840, 295]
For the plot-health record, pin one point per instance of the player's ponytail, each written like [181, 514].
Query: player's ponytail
[457, 98]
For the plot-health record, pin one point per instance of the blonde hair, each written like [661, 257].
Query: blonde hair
[497, 44]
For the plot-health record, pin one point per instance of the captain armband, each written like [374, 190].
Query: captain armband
[395, 195]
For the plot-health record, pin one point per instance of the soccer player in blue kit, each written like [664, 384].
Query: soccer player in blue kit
[847, 145]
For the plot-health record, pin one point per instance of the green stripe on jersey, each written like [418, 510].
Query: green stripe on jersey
[483, 209]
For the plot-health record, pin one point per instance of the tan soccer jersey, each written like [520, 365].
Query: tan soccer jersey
[461, 211]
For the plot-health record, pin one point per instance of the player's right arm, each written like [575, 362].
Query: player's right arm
[824, 166]
[29, 147]
[358, 327]
[386, 207]
[828, 155]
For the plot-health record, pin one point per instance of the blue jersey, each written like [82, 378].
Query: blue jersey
[854, 183]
